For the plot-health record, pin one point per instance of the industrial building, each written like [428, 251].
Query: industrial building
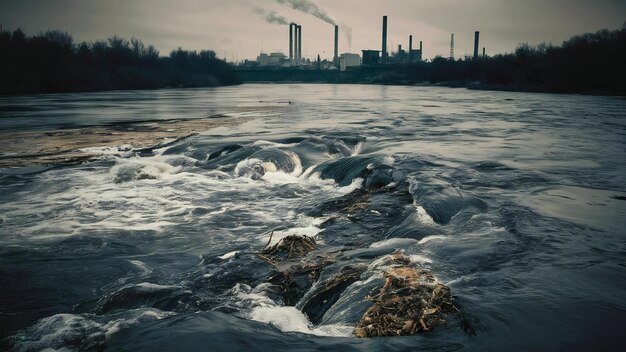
[371, 57]
[345, 61]
[273, 59]
[349, 60]
[374, 57]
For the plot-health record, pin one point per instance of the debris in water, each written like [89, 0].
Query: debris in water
[293, 279]
[292, 246]
[411, 301]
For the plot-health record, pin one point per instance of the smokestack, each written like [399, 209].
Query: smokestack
[296, 39]
[452, 47]
[484, 52]
[295, 42]
[336, 58]
[411, 49]
[300, 40]
[291, 41]
[476, 35]
[384, 51]
[421, 52]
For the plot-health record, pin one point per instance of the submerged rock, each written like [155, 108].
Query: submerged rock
[411, 301]
[329, 292]
[294, 275]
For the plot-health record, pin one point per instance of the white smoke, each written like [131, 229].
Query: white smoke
[271, 16]
[347, 31]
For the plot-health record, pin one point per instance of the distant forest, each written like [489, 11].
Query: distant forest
[51, 62]
[593, 63]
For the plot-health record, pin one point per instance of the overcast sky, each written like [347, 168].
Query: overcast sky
[235, 29]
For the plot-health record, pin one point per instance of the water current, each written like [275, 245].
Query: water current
[515, 201]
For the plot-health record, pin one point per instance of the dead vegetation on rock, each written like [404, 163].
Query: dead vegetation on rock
[292, 246]
[293, 278]
[410, 301]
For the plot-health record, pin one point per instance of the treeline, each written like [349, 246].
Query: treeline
[51, 62]
[593, 63]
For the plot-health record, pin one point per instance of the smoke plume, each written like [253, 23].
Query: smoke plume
[308, 6]
[271, 16]
[347, 31]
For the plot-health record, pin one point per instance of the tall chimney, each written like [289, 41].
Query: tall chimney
[336, 57]
[452, 47]
[384, 51]
[484, 55]
[476, 35]
[291, 41]
[299, 43]
[421, 52]
[410, 49]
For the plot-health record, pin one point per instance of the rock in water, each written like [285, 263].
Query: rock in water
[294, 275]
[330, 291]
[411, 301]
[292, 246]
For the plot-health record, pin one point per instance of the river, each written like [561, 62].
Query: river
[516, 201]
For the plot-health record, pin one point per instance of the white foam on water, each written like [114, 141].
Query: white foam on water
[280, 178]
[290, 319]
[420, 259]
[138, 169]
[423, 216]
[248, 297]
[245, 168]
[264, 143]
[297, 171]
[121, 150]
[433, 238]
[460, 279]
[157, 193]
[145, 269]
[308, 172]
[389, 160]
[310, 228]
[150, 287]
[257, 306]
[398, 242]
[228, 255]
[80, 331]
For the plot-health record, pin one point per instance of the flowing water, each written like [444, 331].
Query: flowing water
[516, 201]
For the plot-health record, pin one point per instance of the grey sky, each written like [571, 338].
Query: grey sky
[236, 31]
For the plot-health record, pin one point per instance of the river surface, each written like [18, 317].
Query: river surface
[516, 201]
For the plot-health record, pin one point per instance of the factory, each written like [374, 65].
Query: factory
[348, 61]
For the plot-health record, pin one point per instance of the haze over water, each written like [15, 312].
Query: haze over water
[515, 201]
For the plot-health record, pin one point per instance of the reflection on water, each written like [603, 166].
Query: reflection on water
[514, 200]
